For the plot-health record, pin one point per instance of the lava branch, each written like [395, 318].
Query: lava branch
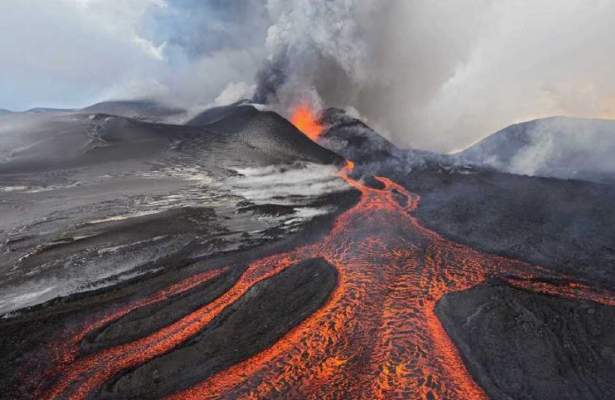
[377, 336]
[67, 350]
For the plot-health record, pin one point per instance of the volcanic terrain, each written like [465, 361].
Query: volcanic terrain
[235, 254]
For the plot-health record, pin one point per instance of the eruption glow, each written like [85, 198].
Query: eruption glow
[307, 121]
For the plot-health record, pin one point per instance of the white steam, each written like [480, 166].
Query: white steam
[440, 75]
[569, 148]
[284, 184]
[429, 74]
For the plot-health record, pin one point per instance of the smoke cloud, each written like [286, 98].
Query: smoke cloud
[427, 74]
[438, 75]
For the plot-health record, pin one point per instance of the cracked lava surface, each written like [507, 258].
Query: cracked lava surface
[376, 337]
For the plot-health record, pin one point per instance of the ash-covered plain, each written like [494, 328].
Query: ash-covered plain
[149, 253]
[89, 199]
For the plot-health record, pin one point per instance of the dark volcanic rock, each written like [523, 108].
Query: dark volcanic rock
[523, 345]
[146, 320]
[564, 225]
[241, 128]
[353, 139]
[372, 153]
[259, 318]
[569, 148]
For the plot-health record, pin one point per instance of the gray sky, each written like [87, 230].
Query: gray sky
[430, 74]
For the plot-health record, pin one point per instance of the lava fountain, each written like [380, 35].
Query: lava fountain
[376, 337]
[307, 121]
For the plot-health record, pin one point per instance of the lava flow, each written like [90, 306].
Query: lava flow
[306, 120]
[377, 336]
[67, 351]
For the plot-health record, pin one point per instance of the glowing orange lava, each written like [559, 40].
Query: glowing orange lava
[67, 351]
[377, 336]
[307, 121]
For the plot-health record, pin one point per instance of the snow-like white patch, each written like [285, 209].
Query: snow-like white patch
[303, 214]
[107, 267]
[37, 189]
[282, 184]
[290, 185]
[122, 217]
[29, 297]
[13, 188]
[189, 174]
[260, 107]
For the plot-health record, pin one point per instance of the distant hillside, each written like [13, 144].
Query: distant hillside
[145, 110]
[242, 129]
[560, 147]
[244, 136]
[50, 110]
[215, 114]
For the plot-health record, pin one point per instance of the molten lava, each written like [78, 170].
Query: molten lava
[377, 336]
[307, 121]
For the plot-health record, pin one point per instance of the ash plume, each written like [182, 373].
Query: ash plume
[438, 76]
[431, 75]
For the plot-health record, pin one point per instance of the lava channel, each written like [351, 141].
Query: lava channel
[376, 337]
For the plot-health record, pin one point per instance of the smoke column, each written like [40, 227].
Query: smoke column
[439, 75]
[427, 74]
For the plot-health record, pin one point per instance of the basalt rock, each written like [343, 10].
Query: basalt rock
[523, 345]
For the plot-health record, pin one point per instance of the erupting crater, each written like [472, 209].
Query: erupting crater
[375, 337]
[307, 121]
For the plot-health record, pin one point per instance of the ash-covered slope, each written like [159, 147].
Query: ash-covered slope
[145, 110]
[50, 110]
[215, 114]
[243, 128]
[88, 200]
[568, 148]
[42, 141]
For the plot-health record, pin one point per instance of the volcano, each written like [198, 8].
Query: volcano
[243, 255]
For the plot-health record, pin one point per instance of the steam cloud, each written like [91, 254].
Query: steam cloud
[432, 75]
[441, 75]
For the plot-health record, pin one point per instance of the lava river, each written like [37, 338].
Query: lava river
[376, 337]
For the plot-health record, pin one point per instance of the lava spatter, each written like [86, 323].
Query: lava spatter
[307, 121]
[377, 336]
